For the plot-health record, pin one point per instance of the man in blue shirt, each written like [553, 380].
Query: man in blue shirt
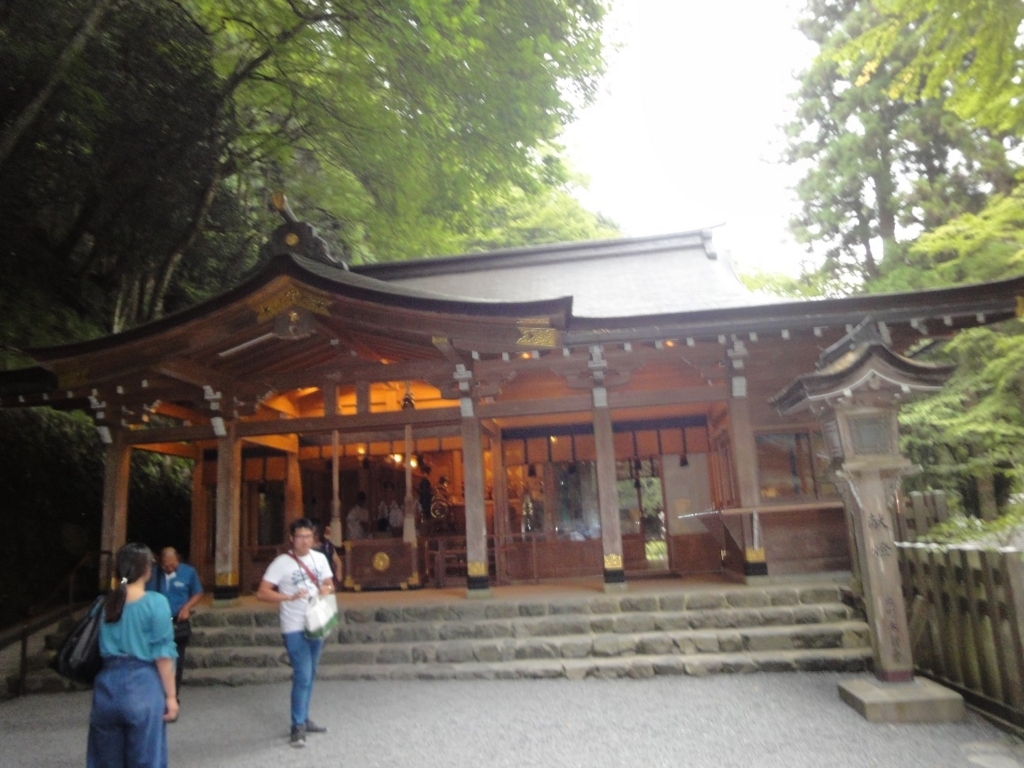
[179, 583]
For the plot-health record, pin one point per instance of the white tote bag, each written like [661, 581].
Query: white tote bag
[321, 615]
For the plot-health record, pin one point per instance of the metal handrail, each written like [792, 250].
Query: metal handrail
[37, 621]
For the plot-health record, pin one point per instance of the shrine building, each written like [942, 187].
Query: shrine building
[588, 409]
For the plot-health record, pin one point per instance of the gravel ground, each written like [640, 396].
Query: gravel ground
[759, 720]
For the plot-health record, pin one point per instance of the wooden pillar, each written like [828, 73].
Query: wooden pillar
[477, 579]
[292, 489]
[229, 507]
[337, 534]
[362, 397]
[199, 525]
[499, 493]
[116, 475]
[744, 450]
[607, 493]
[744, 456]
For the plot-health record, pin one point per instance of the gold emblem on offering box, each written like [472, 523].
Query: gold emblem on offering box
[476, 569]
[537, 337]
[613, 562]
[381, 562]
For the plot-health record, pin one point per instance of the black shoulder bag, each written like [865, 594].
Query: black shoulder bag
[79, 658]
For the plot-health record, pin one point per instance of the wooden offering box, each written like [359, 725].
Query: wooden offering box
[380, 564]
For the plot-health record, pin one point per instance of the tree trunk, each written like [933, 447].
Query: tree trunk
[987, 505]
[23, 121]
[173, 258]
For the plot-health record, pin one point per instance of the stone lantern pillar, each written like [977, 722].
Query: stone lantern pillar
[855, 393]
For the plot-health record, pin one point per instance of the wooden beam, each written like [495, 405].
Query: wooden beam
[282, 404]
[185, 450]
[680, 396]
[196, 375]
[343, 372]
[287, 443]
[361, 422]
[444, 346]
[176, 411]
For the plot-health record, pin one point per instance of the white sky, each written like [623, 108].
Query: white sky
[686, 129]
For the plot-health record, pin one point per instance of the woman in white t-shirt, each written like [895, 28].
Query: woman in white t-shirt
[289, 581]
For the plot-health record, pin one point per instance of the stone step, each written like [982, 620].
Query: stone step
[259, 634]
[600, 604]
[816, 660]
[845, 634]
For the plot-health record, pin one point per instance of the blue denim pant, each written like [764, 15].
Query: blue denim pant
[126, 725]
[304, 654]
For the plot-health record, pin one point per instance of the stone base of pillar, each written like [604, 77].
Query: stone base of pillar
[918, 701]
[614, 580]
[478, 586]
[755, 569]
[225, 595]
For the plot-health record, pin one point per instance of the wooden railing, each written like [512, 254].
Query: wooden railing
[967, 622]
[917, 512]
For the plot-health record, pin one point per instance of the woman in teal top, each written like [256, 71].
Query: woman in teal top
[133, 696]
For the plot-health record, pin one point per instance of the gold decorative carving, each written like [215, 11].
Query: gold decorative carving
[476, 568]
[292, 297]
[754, 555]
[537, 337]
[534, 321]
[291, 238]
[226, 580]
[613, 562]
[349, 584]
[414, 580]
[381, 562]
[1020, 307]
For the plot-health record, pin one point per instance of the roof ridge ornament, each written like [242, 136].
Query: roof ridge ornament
[297, 238]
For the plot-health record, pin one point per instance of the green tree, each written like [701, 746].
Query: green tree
[141, 185]
[878, 169]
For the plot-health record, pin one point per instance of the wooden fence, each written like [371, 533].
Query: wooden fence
[917, 512]
[967, 622]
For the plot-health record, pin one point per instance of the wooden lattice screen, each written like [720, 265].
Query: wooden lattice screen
[967, 622]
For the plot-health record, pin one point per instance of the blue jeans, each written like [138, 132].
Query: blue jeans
[303, 654]
[126, 725]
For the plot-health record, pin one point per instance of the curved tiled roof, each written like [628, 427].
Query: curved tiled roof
[659, 275]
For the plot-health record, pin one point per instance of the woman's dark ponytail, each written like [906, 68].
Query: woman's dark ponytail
[132, 561]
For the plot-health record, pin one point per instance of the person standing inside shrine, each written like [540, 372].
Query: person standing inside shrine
[326, 546]
[179, 583]
[357, 521]
[388, 512]
[289, 581]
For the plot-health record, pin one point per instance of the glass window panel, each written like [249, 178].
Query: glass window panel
[515, 452]
[672, 441]
[623, 444]
[252, 469]
[697, 440]
[647, 443]
[270, 515]
[586, 449]
[537, 450]
[577, 517]
[776, 468]
[277, 467]
[561, 448]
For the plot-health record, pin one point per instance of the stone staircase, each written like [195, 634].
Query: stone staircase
[695, 632]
